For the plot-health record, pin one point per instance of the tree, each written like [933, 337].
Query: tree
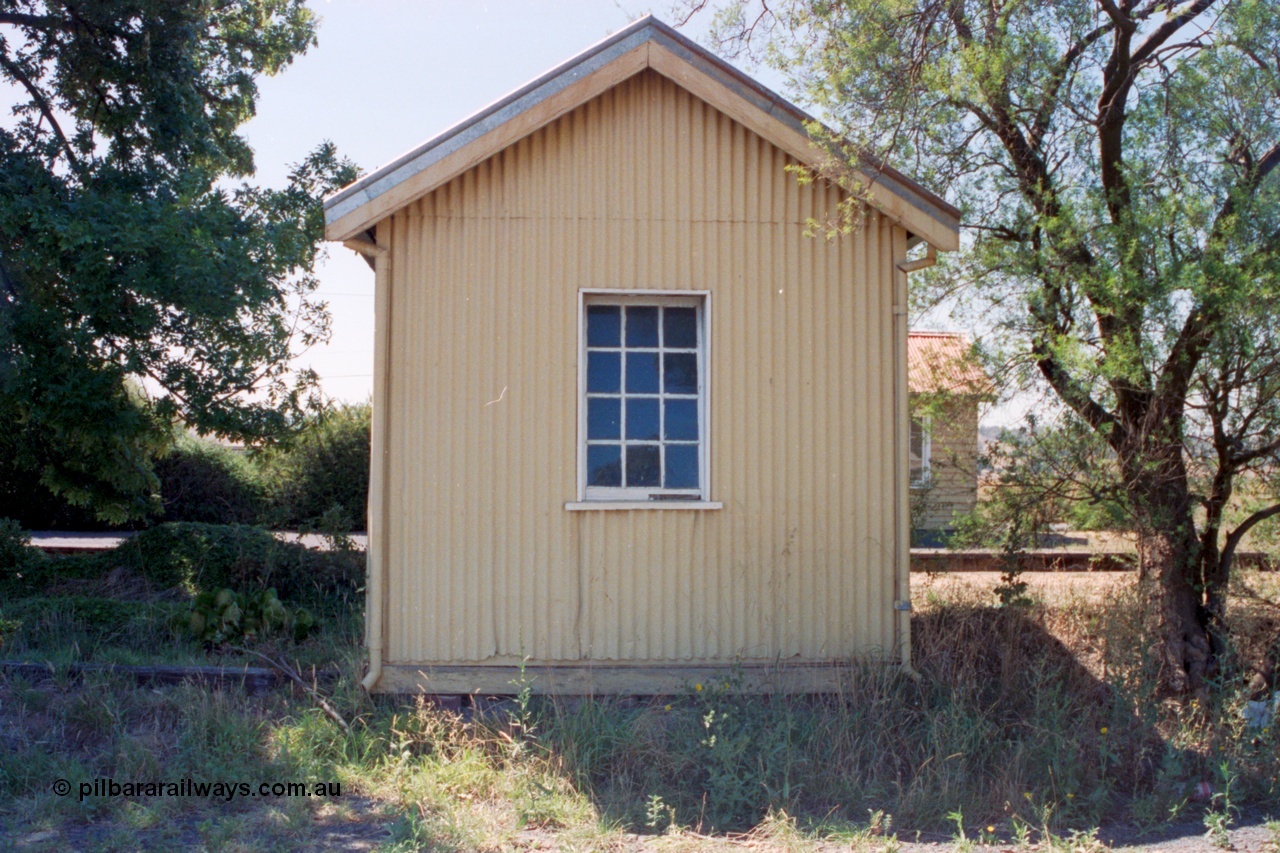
[1116, 161]
[139, 286]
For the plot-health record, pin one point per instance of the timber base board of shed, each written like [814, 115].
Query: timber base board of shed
[613, 679]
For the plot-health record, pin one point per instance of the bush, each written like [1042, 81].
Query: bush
[26, 500]
[18, 559]
[325, 473]
[207, 557]
[205, 482]
[230, 616]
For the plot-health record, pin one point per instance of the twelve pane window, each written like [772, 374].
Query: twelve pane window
[643, 383]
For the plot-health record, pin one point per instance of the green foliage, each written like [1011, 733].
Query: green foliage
[94, 614]
[1046, 475]
[204, 482]
[26, 453]
[126, 252]
[16, 554]
[204, 557]
[753, 755]
[1118, 171]
[321, 479]
[1008, 726]
[227, 616]
[318, 481]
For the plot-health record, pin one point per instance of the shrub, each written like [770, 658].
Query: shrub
[204, 557]
[207, 557]
[26, 500]
[324, 472]
[205, 482]
[230, 616]
[18, 559]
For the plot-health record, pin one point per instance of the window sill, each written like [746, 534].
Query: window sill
[581, 506]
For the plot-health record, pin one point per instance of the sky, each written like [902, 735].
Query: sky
[386, 76]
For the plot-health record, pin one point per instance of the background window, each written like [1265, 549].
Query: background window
[919, 452]
[644, 404]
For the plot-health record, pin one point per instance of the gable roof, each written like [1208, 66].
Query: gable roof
[939, 362]
[647, 43]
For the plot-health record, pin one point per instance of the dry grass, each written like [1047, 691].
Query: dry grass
[1033, 719]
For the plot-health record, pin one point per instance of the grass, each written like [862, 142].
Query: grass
[1033, 724]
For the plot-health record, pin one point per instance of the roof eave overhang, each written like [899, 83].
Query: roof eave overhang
[648, 43]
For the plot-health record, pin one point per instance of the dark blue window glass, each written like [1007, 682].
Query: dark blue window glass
[604, 417]
[604, 372]
[642, 419]
[604, 326]
[682, 420]
[680, 328]
[643, 467]
[604, 465]
[642, 327]
[682, 466]
[680, 372]
[642, 384]
[642, 372]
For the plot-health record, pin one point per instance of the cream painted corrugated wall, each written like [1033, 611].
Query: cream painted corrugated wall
[644, 187]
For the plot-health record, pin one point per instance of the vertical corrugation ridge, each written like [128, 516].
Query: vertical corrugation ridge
[413, 291]
[644, 187]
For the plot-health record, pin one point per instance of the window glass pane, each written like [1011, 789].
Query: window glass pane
[642, 372]
[642, 419]
[680, 372]
[917, 451]
[682, 466]
[604, 416]
[604, 372]
[604, 465]
[682, 420]
[680, 328]
[642, 465]
[642, 327]
[604, 326]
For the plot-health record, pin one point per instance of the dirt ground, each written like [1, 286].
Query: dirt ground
[1052, 587]
[366, 830]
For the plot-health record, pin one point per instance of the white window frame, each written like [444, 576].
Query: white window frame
[631, 498]
[926, 450]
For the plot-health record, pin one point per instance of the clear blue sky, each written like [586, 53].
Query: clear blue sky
[387, 75]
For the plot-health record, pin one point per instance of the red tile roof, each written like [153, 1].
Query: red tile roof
[940, 361]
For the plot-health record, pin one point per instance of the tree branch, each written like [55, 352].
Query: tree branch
[1040, 126]
[36, 22]
[1234, 537]
[1165, 31]
[1072, 393]
[45, 109]
[1197, 330]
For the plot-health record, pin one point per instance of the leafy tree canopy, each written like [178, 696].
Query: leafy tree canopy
[1116, 161]
[139, 286]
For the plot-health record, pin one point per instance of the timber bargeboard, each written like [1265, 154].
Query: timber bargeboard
[648, 43]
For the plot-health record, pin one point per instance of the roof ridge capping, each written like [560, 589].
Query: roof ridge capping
[356, 207]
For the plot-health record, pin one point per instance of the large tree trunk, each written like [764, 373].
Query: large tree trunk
[1169, 555]
[1180, 619]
